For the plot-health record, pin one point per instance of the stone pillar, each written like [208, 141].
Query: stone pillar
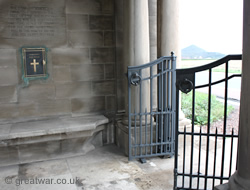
[153, 44]
[240, 180]
[136, 52]
[168, 28]
[136, 45]
[169, 38]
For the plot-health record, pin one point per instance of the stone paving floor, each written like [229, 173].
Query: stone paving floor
[105, 168]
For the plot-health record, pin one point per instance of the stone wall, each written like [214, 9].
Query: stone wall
[80, 58]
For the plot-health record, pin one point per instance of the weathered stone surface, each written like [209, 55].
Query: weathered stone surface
[110, 103]
[109, 38]
[40, 130]
[153, 31]
[73, 90]
[70, 56]
[8, 156]
[78, 22]
[7, 57]
[152, 7]
[43, 169]
[8, 75]
[32, 23]
[101, 22]
[39, 151]
[8, 111]
[109, 71]
[8, 93]
[4, 130]
[102, 55]
[35, 92]
[108, 6]
[87, 72]
[85, 39]
[41, 108]
[86, 105]
[47, 108]
[103, 88]
[62, 73]
[89, 6]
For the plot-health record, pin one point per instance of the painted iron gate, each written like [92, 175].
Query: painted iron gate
[206, 156]
[151, 111]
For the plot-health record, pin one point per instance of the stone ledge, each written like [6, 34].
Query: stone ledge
[51, 127]
[41, 140]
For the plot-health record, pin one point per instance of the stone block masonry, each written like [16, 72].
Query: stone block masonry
[80, 37]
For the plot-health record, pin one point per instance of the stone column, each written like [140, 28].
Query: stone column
[241, 179]
[136, 46]
[153, 44]
[168, 28]
[136, 52]
[169, 38]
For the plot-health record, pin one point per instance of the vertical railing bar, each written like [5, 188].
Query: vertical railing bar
[162, 105]
[164, 99]
[208, 126]
[199, 160]
[169, 100]
[146, 115]
[140, 113]
[129, 117]
[151, 109]
[176, 136]
[192, 138]
[225, 122]
[215, 152]
[174, 104]
[156, 131]
[231, 153]
[184, 156]
[135, 132]
[159, 68]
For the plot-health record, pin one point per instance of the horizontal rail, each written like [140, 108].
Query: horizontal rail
[137, 67]
[208, 66]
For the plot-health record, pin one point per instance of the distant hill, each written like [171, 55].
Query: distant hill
[194, 52]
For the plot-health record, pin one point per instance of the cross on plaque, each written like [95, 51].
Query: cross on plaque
[34, 63]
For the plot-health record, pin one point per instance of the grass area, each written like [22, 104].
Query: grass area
[234, 66]
[201, 108]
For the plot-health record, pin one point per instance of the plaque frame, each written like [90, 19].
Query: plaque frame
[29, 68]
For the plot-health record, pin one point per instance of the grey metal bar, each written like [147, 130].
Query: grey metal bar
[151, 109]
[208, 125]
[199, 161]
[192, 138]
[225, 121]
[231, 152]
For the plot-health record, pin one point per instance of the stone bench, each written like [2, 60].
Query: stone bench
[39, 140]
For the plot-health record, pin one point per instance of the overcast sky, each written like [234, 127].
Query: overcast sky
[214, 25]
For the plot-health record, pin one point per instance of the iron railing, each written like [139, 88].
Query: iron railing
[151, 111]
[204, 158]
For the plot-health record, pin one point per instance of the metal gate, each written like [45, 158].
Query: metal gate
[205, 157]
[151, 111]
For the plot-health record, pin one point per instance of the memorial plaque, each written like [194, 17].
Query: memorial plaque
[34, 62]
[26, 22]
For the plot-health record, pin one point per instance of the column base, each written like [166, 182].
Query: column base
[235, 183]
[239, 183]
